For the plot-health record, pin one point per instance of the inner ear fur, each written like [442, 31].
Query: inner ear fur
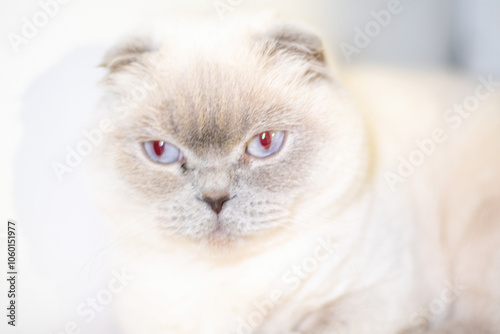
[128, 51]
[290, 39]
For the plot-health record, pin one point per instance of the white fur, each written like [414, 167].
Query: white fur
[389, 259]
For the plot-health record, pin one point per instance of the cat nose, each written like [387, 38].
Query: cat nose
[216, 200]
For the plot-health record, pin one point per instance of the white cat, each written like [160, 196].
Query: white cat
[253, 186]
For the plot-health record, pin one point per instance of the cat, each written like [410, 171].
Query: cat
[253, 185]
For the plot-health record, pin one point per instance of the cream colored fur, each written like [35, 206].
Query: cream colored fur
[346, 252]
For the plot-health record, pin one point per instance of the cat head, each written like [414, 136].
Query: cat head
[228, 132]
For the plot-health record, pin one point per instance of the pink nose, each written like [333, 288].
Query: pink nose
[216, 200]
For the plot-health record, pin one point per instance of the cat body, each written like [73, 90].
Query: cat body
[325, 235]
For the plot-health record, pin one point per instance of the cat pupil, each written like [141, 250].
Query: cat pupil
[159, 147]
[266, 139]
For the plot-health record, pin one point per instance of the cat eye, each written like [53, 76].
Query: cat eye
[266, 144]
[162, 152]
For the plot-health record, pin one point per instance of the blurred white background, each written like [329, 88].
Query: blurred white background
[48, 88]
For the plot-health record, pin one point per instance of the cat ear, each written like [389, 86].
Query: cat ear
[127, 52]
[288, 40]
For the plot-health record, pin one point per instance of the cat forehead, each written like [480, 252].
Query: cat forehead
[213, 106]
[218, 94]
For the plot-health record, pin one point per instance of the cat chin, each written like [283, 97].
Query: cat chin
[221, 241]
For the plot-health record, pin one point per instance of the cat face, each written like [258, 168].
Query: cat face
[238, 132]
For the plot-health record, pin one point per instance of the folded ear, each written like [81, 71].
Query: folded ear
[127, 52]
[288, 40]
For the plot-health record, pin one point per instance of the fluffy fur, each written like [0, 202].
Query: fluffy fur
[313, 240]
